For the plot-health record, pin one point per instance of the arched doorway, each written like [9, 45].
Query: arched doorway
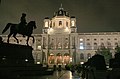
[59, 58]
[66, 58]
[51, 59]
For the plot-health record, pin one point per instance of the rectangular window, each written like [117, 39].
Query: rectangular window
[81, 46]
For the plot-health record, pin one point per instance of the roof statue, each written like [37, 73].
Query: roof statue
[61, 8]
[61, 12]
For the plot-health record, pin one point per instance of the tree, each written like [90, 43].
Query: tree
[105, 52]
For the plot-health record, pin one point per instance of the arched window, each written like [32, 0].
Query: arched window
[116, 44]
[59, 58]
[52, 45]
[60, 23]
[66, 24]
[59, 45]
[115, 38]
[95, 39]
[66, 58]
[109, 45]
[54, 24]
[66, 45]
[88, 55]
[81, 56]
[102, 44]
[88, 46]
[95, 45]
[51, 58]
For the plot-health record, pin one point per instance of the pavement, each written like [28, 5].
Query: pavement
[64, 74]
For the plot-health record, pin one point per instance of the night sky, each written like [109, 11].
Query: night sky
[91, 15]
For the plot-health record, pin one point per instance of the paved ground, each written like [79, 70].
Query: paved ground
[57, 75]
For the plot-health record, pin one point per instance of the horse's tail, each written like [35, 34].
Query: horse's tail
[6, 28]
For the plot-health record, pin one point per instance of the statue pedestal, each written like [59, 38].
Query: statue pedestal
[14, 54]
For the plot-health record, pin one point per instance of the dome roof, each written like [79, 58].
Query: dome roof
[61, 12]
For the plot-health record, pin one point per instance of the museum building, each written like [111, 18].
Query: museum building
[60, 43]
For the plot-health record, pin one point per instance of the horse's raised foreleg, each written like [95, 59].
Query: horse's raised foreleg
[9, 37]
[16, 38]
[28, 39]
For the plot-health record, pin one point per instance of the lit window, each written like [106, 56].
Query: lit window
[73, 23]
[46, 24]
[81, 39]
[81, 46]
[81, 43]
[39, 47]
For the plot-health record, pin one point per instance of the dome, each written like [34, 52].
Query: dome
[72, 16]
[46, 18]
[61, 12]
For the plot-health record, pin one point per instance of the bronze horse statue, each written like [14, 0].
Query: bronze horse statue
[14, 30]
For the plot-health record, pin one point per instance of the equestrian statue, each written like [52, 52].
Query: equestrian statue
[23, 28]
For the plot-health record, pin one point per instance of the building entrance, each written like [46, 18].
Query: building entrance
[59, 59]
[51, 59]
[66, 58]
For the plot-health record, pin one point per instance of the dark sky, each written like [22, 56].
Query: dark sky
[91, 15]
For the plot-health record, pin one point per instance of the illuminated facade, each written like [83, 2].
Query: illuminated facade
[61, 44]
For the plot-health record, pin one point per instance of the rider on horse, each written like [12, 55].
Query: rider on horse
[22, 24]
